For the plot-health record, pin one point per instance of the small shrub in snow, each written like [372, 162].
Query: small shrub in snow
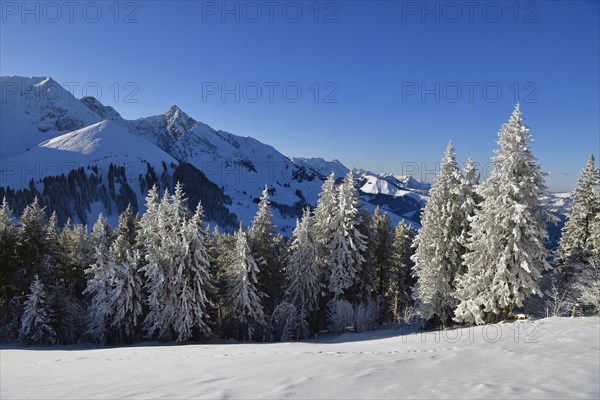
[586, 287]
[365, 316]
[284, 322]
[343, 316]
[409, 314]
[557, 302]
[340, 315]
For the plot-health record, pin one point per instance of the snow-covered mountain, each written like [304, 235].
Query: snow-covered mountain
[99, 144]
[48, 132]
[37, 109]
[45, 131]
[558, 204]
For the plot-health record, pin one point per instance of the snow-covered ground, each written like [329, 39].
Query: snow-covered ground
[549, 358]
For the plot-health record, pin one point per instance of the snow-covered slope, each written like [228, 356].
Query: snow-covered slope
[97, 145]
[400, 195]
[242, 166]
[558, 202]
[36, 109]
[553, 358]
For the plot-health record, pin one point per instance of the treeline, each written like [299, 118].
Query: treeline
[479, 255]
[164, 276]
[72, 195]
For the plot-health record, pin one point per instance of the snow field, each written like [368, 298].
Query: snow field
[550, 358]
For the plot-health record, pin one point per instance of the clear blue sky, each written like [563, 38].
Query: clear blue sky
[384, 63]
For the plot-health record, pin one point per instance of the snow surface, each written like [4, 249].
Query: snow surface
[558, 202]
[548, 358]
[36, 109]
[98, 145]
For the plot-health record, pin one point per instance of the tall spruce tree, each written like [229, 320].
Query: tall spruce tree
[126, 299]
[176, 269]
[438, 251]
[155, 239]
[303, 272]
[575, 244]
[506, 246]
[78, 254]
[365, 286]
[469, 198]
[8, 271]
[595, 237]
[324, 211]
[36, 322]
[245, 299]
[126, 235]
[99, 285]
[32, 245]
[265, 246]
[383, 251]
[347, 244]
[322, 234]
[192, 280]
[400, 281]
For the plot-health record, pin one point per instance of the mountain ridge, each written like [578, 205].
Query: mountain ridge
[42, 116]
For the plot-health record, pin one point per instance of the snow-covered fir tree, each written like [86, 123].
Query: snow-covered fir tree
[286, 323]
[99, 285]
[303, 271]
[158, 238]
[192, 280]
[176, 267]
[32, 244]
[36, 322]
[507, 253]
[383, 250]
[126, 295]
[595, 238]
[77, 256]
[438, 251]
[400, 281]
[126, 299]
[347, 244]
[469, 198]
[125, 235]
[575, 245]
[244, 297]
[265, 245]
[102, 235]
[8, 244]
[225, 248]
[322, 234]
[365, 286]
[52, 232]
[66, 304]
[324, 211]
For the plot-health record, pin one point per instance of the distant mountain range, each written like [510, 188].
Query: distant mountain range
[106, 161]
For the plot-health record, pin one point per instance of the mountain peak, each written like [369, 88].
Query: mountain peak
[178, 122]
[174, 109]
